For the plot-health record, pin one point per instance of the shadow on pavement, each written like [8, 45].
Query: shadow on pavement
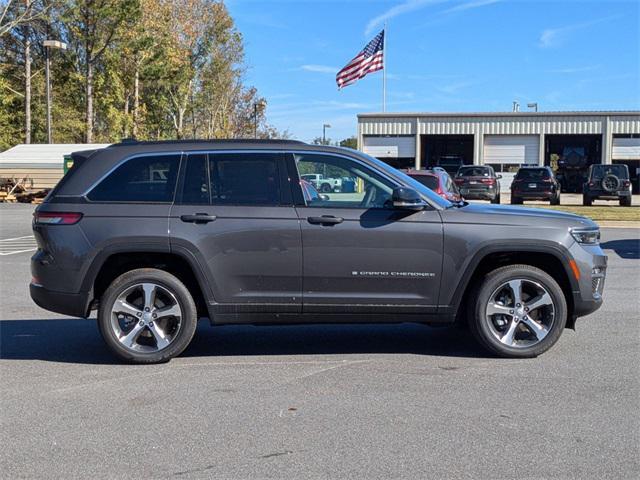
[78, 341]
[628, 248]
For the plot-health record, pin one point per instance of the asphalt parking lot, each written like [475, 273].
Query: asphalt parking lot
[294, 402]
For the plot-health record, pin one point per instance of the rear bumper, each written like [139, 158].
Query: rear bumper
[607, 195]
[72, 304]
[533, 195]
[478, 194]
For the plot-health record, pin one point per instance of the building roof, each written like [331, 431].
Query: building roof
[596, 113]
[42, 155]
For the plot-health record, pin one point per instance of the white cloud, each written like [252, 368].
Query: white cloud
[469, 5]
[319, 68]
[452, 88]
[552, 37]
[569, 70]
[404, 7]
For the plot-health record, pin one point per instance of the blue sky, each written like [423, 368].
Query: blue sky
[442, 56]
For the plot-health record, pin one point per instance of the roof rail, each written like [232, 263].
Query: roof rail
[132, 141]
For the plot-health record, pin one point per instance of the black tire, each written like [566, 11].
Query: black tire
[326, 188]
[479, 324]
[496, 199]
[168, 282]
[625, 201]
[587, 201]
[555, 200]
[516, 200]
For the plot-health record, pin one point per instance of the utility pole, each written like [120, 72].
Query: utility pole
[324, 132]
[49, 44]
[261, 104]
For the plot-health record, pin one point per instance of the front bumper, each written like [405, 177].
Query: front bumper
[592, 264]
[72, 304]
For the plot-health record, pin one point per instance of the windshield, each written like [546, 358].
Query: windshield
[532, 174]
[474, 172]
[601, 171]
[429, 195]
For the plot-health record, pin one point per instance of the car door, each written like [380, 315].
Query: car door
[234, 214]
[360, 255]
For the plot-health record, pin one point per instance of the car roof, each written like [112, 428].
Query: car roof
[431, 173]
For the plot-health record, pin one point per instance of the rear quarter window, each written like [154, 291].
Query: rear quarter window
[140, 179]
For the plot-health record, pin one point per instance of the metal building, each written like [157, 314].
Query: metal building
[567, 141]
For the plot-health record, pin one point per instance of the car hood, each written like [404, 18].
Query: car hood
[506, 215]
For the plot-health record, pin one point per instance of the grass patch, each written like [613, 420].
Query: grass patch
[610, 213]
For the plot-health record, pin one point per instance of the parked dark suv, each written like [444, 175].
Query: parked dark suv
[155, 235]
[607, 182]
[478, 182]
[535, 183]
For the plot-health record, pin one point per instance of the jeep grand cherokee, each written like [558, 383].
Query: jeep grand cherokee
[155, 235]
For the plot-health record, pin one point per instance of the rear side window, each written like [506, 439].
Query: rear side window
[232, 179]
[244, 179]
[140, 179]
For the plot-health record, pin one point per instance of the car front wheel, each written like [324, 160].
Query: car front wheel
[519, 312]
[147, 316]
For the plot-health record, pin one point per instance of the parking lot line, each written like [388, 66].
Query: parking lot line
[13, 246]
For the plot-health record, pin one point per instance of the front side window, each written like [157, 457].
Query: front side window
[342, 183]
[140, 179]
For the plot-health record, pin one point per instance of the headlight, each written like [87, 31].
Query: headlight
[586, 236]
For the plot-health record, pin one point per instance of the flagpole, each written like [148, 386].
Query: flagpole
[384, 70]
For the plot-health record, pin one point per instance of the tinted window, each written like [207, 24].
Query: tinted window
[428, 181]
[532, 174]
[244, 178]
[474, 172]
[601, 171]
[196, 181]
[140, 179]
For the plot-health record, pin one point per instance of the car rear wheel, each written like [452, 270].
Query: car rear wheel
[516, 200]
[555, 200]
[519, 312]
[496, 199]
[625, 201]
[147, 316]
[326, 188]
[586, 200]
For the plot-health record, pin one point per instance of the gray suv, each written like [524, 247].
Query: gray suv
[155, 235]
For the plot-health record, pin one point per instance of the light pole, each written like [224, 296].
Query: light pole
[261, 104]
[324, 132]
[47, 45]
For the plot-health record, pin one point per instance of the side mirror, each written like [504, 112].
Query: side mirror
[407, 199]
[498, 176]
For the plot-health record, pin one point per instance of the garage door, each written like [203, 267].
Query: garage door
[390, 147]
[511, 149]
[626, 149]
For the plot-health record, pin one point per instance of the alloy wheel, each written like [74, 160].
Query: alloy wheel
[146, 317]
[520, 313]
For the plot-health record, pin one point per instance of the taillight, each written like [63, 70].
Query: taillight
[489, 181]
[547, 180]
[592, 184]
[459, 181]
[56, 218]
[626, 183]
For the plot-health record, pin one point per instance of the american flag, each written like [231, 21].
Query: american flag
[370, 59]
